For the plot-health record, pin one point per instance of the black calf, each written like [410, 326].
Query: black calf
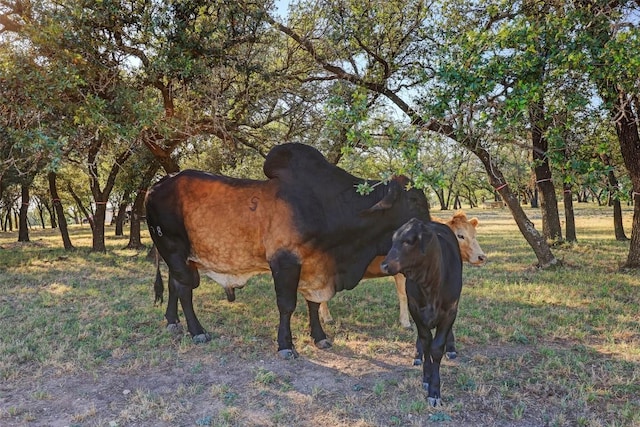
[429, 256]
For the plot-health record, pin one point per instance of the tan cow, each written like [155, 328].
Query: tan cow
[470, 250]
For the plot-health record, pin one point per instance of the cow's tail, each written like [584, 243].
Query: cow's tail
[158, 285]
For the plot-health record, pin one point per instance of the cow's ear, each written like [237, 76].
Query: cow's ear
[387, 201]
[474, 221]
[422, 239]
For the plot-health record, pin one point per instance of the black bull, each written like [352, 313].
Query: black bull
[305, 223]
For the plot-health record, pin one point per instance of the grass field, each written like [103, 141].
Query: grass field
[81, 343]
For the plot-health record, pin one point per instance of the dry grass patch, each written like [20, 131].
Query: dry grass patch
[83, 345]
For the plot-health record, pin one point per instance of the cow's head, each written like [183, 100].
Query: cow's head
[409, 246]
[410, 202]
[466, 233]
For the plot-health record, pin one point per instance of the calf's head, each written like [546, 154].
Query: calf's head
[409, 247]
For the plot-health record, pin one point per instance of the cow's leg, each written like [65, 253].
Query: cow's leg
[319, 337]
[325, 314]
[185, 295]
[402, 299]
[419, 356]
[173, 321]
[285, 268]
[182, 280]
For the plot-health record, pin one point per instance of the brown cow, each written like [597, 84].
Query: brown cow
[305, 224]
[465, 231]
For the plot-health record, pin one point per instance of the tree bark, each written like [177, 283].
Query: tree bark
[537, 242]
[614, 200]
[625, 119]
[121, 216]
[41, 215]
[80, 206]
[57, 205]
[137, 211]
[97, 240]
[551, 227]
[101, 196]
[52, 214]
[23, 222]
[569, 217]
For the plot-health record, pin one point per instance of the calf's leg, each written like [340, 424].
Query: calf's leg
[423, 345]
[450, 348]
[436, 351]
[285, 269]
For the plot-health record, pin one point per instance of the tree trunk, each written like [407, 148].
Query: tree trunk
[41, 215]
[551, 227]
[625, 119]
[52, 215]
[23, 226]
[534, 198]
[99, 215]
[137, 211]
[101, 196]
[537, 242]
[80, 206]
[57, 205]
[457, 204]
[614, 201]
[121, 216]
[440, 193]
[570, 220]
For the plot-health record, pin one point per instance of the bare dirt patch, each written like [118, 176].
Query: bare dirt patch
[343, 387]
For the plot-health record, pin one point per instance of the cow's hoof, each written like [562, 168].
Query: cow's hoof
[328, 321]
[324, 344]
[287, 354]
[417, 362]
[201, 338]
[406, 325]
[434, 401]
[452, 355]
[174, 328]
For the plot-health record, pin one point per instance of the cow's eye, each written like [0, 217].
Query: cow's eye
[410, 242]
[460, 236]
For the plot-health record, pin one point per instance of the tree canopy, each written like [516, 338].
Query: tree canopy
[472, 100]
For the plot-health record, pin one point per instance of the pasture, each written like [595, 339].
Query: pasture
[81, 343]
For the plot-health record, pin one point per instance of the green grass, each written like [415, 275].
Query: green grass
[559, 347]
